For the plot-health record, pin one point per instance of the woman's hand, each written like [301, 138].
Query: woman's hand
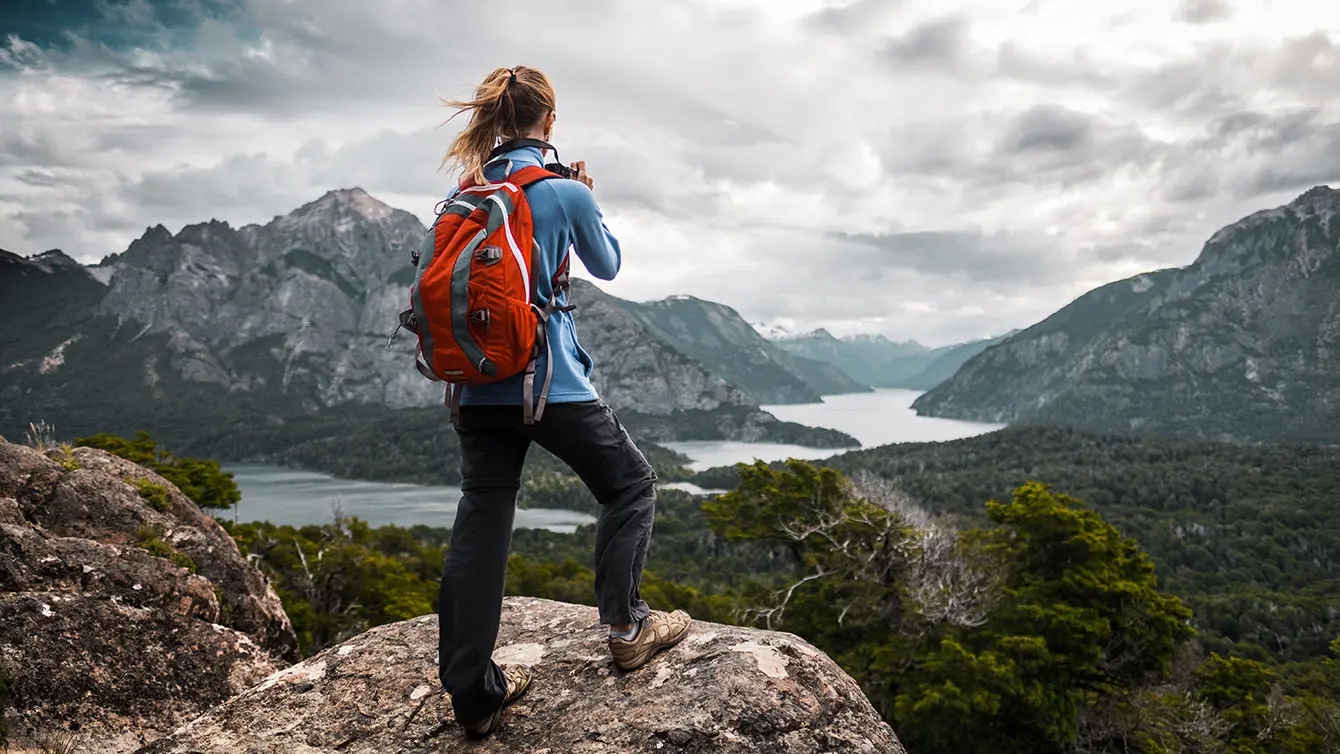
[580, 167]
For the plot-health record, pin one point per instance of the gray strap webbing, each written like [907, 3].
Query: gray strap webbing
[528, 414]
[453, 401]
[563, 286]
[423, 368]
[548, 377]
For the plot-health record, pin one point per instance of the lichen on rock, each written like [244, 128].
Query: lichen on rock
[103, 636]
[723, 689]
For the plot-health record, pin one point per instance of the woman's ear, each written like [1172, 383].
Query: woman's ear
[549, 124]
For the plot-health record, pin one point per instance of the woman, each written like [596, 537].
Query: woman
[578, 427]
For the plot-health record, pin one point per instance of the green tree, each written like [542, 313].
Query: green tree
[1080, 618]
[203, 481]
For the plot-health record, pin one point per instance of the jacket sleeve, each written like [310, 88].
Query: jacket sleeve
[596, 246]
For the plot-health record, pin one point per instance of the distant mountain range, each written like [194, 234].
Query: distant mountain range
[218, 326]
[877, 361]
[1243, 344]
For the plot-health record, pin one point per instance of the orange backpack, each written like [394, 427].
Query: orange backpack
[475, 302]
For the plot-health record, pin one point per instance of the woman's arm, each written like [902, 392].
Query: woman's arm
[596, 246]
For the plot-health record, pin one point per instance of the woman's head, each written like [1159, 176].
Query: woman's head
[511, 103]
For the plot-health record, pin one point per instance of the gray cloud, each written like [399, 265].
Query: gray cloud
[943, 42]
[927, 176]
[1204, 11]
[857, 17]
[968, 255]
[1048, 128]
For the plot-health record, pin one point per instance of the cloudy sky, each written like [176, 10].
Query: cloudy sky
[938, 170]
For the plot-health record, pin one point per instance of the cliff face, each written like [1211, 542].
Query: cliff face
[723, 689]
[1243, 344]
[120, 617]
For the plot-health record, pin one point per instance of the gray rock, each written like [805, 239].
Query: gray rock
[723, 689]
[100, 633]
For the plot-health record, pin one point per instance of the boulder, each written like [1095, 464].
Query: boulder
[120, 619]
[723, 689]
[91, 494]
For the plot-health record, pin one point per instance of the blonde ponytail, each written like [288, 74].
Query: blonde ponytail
[508, 103]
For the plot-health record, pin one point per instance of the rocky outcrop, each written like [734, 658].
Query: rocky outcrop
[722, 690]
[1243, 344]
[124, 609]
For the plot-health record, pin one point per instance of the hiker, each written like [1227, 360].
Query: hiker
[499, 414]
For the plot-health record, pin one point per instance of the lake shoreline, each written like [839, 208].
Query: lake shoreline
[294, 495]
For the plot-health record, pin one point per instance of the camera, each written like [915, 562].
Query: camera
[555, 167]
[560, 169]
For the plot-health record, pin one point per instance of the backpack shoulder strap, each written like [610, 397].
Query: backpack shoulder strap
[530, 174]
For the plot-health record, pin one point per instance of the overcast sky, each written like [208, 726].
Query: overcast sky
[937, 170]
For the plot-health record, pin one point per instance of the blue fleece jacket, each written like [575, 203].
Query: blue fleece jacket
[565, 216]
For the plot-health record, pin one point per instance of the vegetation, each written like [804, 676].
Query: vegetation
[64, 455]
[1045, 631]
[201, 480]
[339, 579]
[150, 539]
[154, 494]
[40, 435]
[1011, 617]
[1247, 536]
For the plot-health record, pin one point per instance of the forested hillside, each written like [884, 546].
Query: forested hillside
[1189, 608]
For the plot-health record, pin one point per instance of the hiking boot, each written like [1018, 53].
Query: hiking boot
[517, 680]
[659, 631]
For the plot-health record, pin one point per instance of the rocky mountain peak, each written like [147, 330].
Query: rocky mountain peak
[153, 236]
[48, 261]
[350, 202]
[1320, 202]
[1319, 195]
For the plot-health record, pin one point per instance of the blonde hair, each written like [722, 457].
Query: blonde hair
[509, 102]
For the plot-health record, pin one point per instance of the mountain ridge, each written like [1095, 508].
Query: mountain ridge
[1241, 345]
[285, 319]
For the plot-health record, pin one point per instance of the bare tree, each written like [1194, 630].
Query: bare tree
[878, 535]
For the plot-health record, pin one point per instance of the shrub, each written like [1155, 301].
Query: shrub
[156, 495]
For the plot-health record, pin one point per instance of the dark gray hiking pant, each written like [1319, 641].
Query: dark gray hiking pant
[590, 439]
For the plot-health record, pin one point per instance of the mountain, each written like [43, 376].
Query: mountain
[770, 331]
[869, 359]
[876, 360]
[947, 361]
[36, 291]
[716, 334]
[1243, 344]
[234, 328]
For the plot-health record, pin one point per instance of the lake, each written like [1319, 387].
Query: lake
[288, 496]
[879, 418]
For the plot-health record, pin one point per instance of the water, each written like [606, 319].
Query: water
[879, 418]
[289, 496]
